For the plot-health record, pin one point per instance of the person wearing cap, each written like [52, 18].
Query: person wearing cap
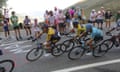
[102, 9]
[108, 15]
[99, 19]
[93, 15]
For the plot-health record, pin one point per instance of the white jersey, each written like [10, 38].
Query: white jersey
[6, 13]
[35, 28]
[93, 16]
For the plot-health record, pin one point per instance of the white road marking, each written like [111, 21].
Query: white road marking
[18, 51]
[14, 50]
[88, 66]
[19, 42]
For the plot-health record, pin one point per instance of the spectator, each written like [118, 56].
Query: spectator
[35, 29]
[99, 19]
[55, 13]
[6, 29]
[46, 16]
[71, 12]
[83, 16]
[6, 14]
[67, 17]
[118, 18]
[102, 10]
[61, 23]
[27, 26]
[93, 15]
[75, 20]
[78, 12]
[14, 20]
[108, 16]
[51, 19]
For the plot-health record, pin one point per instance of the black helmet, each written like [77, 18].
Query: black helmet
[44, 26]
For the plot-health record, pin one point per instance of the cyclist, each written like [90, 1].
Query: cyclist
[78, 28]
[14, 20]
[52, 35]
[95, 34]
[117, 28]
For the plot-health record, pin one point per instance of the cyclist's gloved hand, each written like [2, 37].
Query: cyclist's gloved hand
[109, 34]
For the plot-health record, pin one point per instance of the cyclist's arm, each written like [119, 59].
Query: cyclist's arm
[110, 30]
[83, 34]
[48, 38]
[90, 41]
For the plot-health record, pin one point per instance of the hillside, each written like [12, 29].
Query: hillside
[96, 4]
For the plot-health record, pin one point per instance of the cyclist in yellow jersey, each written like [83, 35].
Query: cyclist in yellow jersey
[52, 35]
[79, 29]
[50, 32]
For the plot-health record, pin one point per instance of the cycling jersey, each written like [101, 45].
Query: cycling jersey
[52, 35]
[80, 29]
[96, 33]
[51, 32]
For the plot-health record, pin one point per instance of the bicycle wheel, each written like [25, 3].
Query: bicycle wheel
[68, 45]
[100, 50]
[7, 66]
[56, 50]
[76, 53]
[108, 43]
[34, 54]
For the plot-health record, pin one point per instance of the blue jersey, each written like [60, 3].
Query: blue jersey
[96, 32]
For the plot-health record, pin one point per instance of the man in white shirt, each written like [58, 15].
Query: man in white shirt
[93, 15]
[6, 14]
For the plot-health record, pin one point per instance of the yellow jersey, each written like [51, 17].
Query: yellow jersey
[51, 32]
[80, 29]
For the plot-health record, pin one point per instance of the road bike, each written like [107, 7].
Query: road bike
[114, 40]
[77, 52]
[7, 65]
[35, 53]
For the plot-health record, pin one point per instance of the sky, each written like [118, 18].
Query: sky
[38, 7]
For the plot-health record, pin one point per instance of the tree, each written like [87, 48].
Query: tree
[3, 3]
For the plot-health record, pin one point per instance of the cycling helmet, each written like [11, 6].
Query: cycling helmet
[44, 26]
[88, 27]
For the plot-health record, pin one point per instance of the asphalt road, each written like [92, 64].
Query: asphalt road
[16, 50]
